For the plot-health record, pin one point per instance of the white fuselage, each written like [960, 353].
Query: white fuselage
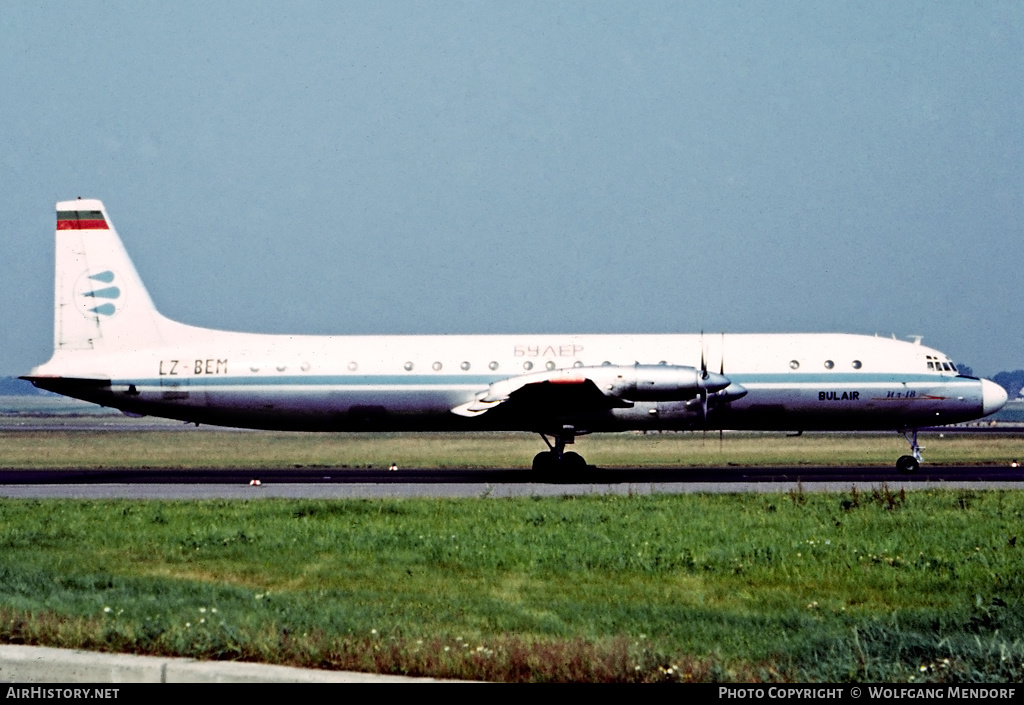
[793, 381]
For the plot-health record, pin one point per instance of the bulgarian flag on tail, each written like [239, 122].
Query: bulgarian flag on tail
[81, 220]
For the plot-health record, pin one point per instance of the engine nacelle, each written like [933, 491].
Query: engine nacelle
[655, 382]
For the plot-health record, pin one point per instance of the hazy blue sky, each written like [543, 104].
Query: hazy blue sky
[486, 167]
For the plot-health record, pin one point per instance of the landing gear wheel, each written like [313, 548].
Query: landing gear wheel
[544, 462]
[573, 461]
[907, 464]
[910, 463]
[548, 461]
[556, 459]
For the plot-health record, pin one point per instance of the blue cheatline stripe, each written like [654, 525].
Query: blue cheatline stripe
[354, 380]
[842, 378]
[317, 380]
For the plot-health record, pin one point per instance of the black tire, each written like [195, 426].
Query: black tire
[545, 462]
[573, 461]
[907, 464]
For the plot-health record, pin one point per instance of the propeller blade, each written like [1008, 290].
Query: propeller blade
[721, 368]
[703, 392]
[721, 371]
[703, 358]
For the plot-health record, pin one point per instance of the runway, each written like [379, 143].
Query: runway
[327, 483]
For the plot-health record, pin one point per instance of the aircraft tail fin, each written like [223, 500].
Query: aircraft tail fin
[99, 300]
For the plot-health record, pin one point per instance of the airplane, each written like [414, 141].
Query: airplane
[112, 347]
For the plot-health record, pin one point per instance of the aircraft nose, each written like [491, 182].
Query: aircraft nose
[993, 397]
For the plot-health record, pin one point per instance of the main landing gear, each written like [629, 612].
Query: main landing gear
[910, 463]
[556, 458]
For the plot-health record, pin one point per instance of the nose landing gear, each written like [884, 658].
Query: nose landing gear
[910, 463]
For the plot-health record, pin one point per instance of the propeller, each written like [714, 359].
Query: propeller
[721, 371]
[716, 383]
[701, 385]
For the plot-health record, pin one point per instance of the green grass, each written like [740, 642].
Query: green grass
[853, 586]
[211, 449]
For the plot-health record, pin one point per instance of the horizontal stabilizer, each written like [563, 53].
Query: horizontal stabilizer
[66, 385]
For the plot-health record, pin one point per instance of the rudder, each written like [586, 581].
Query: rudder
[100, 301]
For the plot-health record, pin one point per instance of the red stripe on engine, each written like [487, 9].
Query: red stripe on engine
[82, 225]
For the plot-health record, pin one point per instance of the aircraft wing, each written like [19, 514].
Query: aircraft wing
[591, 389]
[557, 390]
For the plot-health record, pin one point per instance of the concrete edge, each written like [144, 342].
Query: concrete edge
[43, 664]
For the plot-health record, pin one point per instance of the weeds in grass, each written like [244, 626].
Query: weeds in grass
[503, 658]
[964, 498]
[796, 495]
[880, 496]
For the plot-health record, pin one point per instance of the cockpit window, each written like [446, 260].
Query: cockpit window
[938, 365]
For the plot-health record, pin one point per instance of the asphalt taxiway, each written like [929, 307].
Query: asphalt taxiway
[325, 483]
